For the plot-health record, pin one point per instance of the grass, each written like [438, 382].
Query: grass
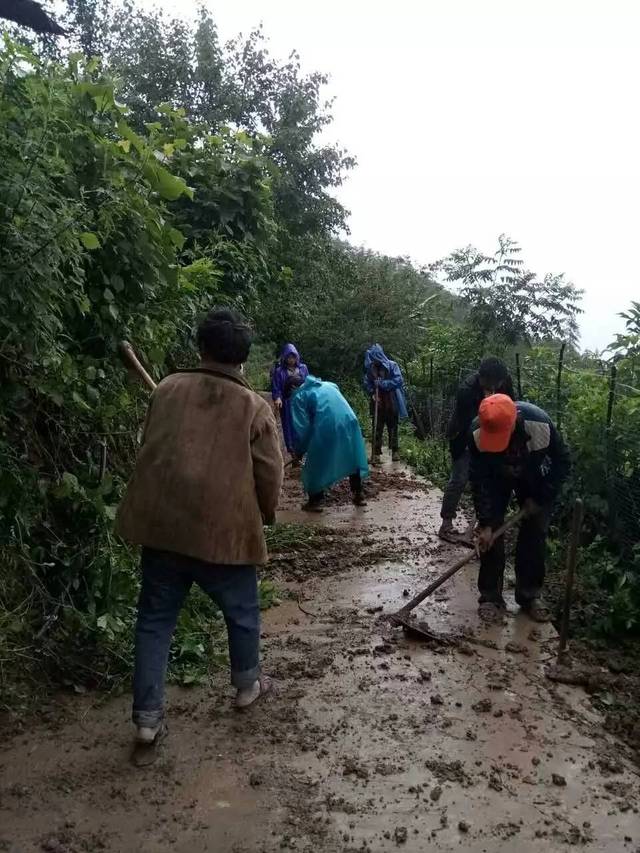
[429, 458]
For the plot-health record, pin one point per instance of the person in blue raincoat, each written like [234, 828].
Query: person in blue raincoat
[383, 378]
[327, 433]
[289, 368]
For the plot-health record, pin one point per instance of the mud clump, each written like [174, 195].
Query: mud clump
[449, 771]
[610, 766]
[516, 649]
[352, 767]
[256, 779]
[484, 706]
[400, 835]
[559, 780]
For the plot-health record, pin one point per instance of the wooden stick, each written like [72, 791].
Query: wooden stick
[128, 355]
[374, 438]
[410, 605]
[572, 558]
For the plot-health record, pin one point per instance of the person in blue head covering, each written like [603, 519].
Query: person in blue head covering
[327, 433]
[383, 378]
[290, 368]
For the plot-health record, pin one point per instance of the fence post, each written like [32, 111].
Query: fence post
[559, 385]
[442, 426]
[612, 394]
[518, 377]
[613, 510]
[431, 395]
[416, 413]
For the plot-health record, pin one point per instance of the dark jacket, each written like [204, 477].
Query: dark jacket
[535, 465]
[468, 399]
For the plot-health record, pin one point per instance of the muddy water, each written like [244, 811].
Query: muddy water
[373, 742]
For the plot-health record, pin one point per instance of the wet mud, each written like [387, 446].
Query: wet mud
[374, 740]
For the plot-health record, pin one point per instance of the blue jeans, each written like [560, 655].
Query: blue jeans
[166, 581]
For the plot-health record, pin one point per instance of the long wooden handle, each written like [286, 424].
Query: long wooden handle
[128, 355]
[409, 606]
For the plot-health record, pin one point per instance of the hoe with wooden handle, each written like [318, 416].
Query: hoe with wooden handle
[401, 617]
[129, 357]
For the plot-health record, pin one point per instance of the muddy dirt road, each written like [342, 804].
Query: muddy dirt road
[372, 743]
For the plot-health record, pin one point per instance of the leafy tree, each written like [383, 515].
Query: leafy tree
[161, 59]
[347, 300]
[509, 304]
[627, 345]
[89, 254]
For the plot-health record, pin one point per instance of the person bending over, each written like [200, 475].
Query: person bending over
[327, 433]
[515, 449]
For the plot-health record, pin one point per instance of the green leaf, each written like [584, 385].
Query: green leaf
[177, 238]
[69, 485]
[169, 186]
[110, 512]
[89, 241]
[78, 399]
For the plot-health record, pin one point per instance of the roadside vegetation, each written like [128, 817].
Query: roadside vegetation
[150, 171]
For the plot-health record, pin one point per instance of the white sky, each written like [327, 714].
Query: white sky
[470, 118]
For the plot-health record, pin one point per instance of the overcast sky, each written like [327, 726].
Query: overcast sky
[470, 118]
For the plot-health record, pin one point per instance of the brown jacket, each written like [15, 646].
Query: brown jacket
[209, 471]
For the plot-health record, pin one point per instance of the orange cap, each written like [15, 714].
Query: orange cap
[497, 415]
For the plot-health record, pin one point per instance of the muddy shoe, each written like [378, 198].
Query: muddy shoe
[491, 611]
[246, 696]
[146, 748]
[312, 507]
[359, 499]
[376, 459]
[448, 532]
[395, 456]
[536, 610]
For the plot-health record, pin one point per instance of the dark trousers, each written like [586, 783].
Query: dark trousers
[166, 581]
[455, 487]
[355, 481]
[529, 563]
[388, 418]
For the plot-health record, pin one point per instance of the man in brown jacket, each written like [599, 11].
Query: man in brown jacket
[208, 476]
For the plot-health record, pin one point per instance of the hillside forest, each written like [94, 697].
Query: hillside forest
[152, 170]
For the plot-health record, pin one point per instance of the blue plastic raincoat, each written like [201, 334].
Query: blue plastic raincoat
[327, 430]
[279, 380]
[394, 382]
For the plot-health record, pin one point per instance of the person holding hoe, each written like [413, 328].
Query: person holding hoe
[207, 478]
[327, 433]
[384, 384]
[285, 378]
[515, 449]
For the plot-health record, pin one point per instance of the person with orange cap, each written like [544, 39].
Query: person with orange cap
[515, 449]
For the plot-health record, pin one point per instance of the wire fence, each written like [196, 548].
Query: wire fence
[596, 408]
